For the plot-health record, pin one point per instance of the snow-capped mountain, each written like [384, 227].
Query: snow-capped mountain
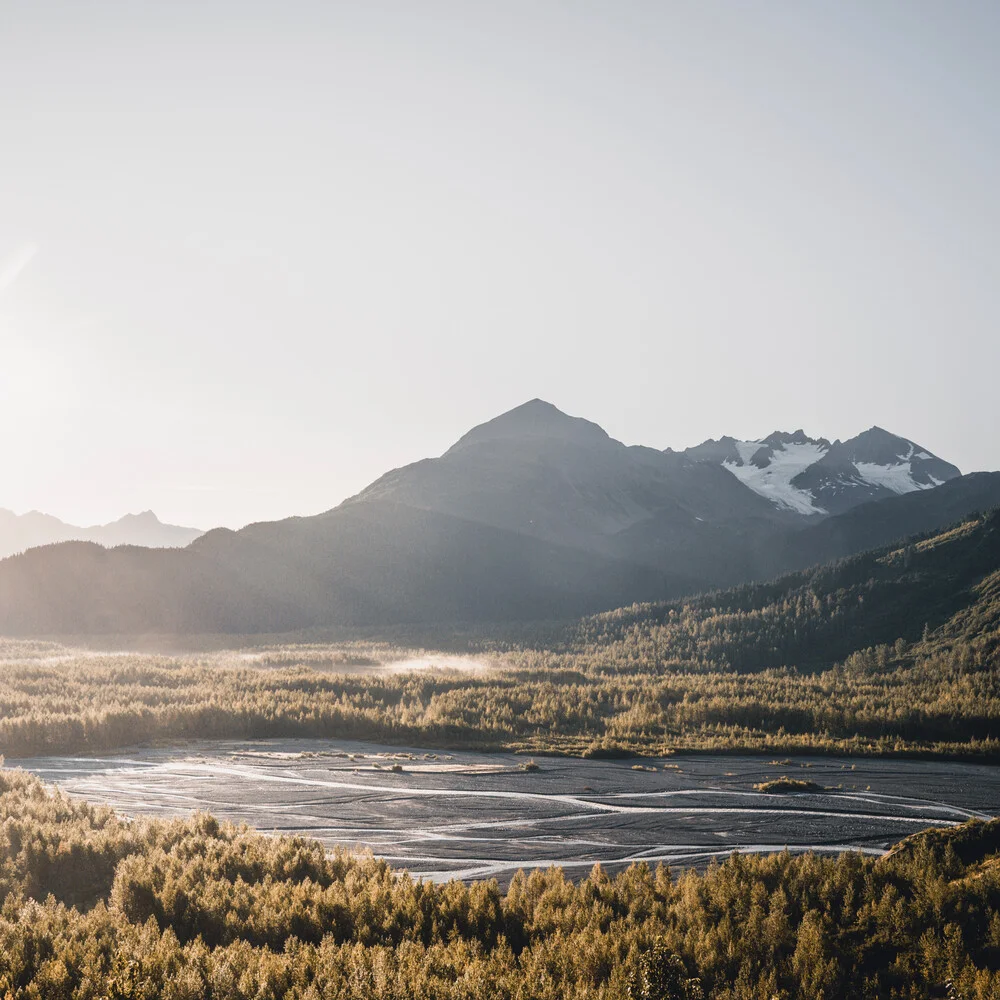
[812, 476]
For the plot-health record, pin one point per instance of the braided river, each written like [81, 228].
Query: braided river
[469, 816]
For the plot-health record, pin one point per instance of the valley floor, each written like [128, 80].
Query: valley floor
[589, 700]
[472, 815]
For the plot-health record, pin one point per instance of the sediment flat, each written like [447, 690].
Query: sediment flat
[473, 815]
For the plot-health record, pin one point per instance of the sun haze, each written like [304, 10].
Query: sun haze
[253, 255]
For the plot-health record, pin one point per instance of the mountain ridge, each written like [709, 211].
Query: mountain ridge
[814, 476]
[532, 515]
[19, 532]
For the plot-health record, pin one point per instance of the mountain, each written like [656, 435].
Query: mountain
[25, 531]
[538, 472]
[367, 564]
[532, 515]
[811, 476]
[720, 513]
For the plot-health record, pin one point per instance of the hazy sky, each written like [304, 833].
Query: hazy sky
[255, 254]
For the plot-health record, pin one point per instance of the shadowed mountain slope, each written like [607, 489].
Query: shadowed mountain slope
[934, 591]
[541, 473]
[377, 563]
[872, 524]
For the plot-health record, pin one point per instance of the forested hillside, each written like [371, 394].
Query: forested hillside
[96, 907]
[894, 596]
[871, 525]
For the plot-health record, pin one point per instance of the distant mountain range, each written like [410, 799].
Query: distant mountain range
[532, 515]
[24, 531]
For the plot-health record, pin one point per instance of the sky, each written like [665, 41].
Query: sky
[252, 255]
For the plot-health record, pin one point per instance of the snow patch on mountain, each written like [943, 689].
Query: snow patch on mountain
[746, 450]
[898, 478]
[774, 480]
[811, 476]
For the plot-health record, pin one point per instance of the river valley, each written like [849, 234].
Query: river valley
[472, 815]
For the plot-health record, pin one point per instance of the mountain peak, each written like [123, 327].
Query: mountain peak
[534, 420]
[143, 517]
[879, 445]
[780, 439]
[878, 432]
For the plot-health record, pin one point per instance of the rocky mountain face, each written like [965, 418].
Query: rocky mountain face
[532, 515]
[811, 476]
[24, 531]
